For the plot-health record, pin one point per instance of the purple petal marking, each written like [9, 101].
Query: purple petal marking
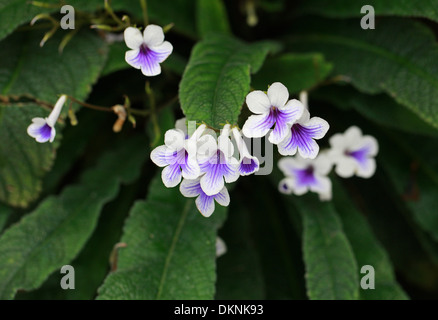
[360, 155]
[215, 169]
[301, 137]
[173, 174]
[45, 132]
[194, 189]
[281, 119]
[147, 58]
[306, 177]
[247, 166]
[205, 204]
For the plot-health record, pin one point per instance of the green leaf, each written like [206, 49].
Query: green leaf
[239, 272]
[41, 73]
[23, 162]
[367, 249]
[216, 80]
[396, 59]
[54, 233]
[5, 212]
[348, 8]
[15, 12]
[276, 241]
[331, 268]
[44, 73]
[410, 165]
[170, 251]
[211, 16]
[380, 109]
[296, 71]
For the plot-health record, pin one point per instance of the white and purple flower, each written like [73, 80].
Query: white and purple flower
[353, 154]
[271, 109]
[43, 130]
[301, 136]
[178, 156]
[217, 162]
[204, 202]
[148, 50]
[303, 175]
[248, 164]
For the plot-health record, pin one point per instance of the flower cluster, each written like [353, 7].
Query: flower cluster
[350, 153]
[203, 163]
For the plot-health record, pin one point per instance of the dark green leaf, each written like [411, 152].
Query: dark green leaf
[216, 80]
[331, 268]
[380, 109]
[42, 73]
[349, 8]
[211, 17]
[367, 249]
[296, 71]
[239, 270]
[170, 251]
[53, 234]
[398, 58]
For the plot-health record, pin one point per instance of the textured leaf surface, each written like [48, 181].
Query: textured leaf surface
[216, 80]
[42, 73]
[399, 59]
[331, 268]
[170, 251]
[296, 71]
[211, 17]
[380, 109]
[53, 234]
[412, 168]
[367, 249]
[239, 272]
[349, 8]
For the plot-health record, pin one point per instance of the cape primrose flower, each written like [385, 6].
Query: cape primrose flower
[352, 153]
[303, 175]
[148, 50]
[248, 164]
[271, 109]
[301, 136]
[177, 156]
[217, 162]
[43, 130]
[204, 202]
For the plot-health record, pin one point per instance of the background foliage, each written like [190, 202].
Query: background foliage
[71, 201]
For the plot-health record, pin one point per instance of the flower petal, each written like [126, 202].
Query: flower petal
[163, 156]
[133, 38]
[213, 180]
[171, 175]
[162, 51]
[278, 94]
[190, 188]
[231, 170]
[257, 126]
[181, 124]
[206, 147]
[371, 144]
[174, 139]
[131, 58]
[345, 167]
[258, 102]
[318, 126]
[288, 165]
[205, 204]
[248, 165]
[323, 188]
[223, 197]
[153, 35]
[367, 169]
[286, 185]
[191, 169]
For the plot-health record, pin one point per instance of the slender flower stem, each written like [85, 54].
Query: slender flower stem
[144, 8]
[112, 14]
[91, 106]
[152, 106]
